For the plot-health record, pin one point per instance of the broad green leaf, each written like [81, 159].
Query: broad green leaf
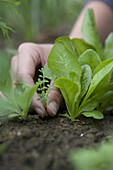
[106, 99]
[86, 77]
[6, 85]
[61, 61]
[95, 114]
[90, 58]
[70, 92]
[81, 46]
[48, 73]
[89, 105]
[68, 44]
[74, 78]
[24, 100]
[90, 33]
[21, 88]
[108, 50]
[101, 90]
[6, 105]
[100, 77]
[102, 65]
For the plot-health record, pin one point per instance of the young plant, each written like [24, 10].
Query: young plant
[44, 88]
[16, 102]
[82, 74]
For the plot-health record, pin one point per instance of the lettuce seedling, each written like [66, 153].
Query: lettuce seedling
[82, 74]
[74, 80]
[16, 102]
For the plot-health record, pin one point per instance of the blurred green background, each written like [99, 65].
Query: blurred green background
[41, 20]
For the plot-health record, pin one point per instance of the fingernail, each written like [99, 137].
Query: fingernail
[53, 106]
[40, 112]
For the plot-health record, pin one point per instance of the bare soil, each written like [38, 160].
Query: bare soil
[45, 144]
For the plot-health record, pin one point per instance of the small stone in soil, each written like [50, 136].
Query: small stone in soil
[82, 135]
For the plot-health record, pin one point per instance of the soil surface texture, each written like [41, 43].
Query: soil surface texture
[45, 144]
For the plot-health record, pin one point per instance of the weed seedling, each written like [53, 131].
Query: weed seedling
[44, 89]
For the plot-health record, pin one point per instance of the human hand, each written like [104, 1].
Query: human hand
[24, 68]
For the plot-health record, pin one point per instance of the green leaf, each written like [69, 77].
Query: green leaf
[6, 105]
[6, 85]
[70, 92]
[90, 58]
[61, 61]
[99, 78]
[65, 115]
[89, 105]
[81, 46]
[68, 44]
[86, 77]
[102, 65]
[95, 114]
[106, 100]
[102, 89]
[108, 50]
[48, 73]
[90, 33]
[74, 78]
[14, 115]
[25, 99]
[5, 29]
[21, 88]
[8, 5]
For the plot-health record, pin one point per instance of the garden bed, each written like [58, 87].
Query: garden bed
[46, 144]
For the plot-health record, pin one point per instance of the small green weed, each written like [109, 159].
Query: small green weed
[44, 89]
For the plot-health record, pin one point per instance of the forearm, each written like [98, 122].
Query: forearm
[103, 17]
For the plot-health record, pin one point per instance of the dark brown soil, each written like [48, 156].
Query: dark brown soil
[38, 144]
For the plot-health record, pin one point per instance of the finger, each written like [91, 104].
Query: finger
[53, 101]
[26, 61]
[36, 105]
[23, 70]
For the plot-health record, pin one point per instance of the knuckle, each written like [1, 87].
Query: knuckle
[22, 47]
[25, 46]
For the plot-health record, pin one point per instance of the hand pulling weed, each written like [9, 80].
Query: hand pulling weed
[82, 70]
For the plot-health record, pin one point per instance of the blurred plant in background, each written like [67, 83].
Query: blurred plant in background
[38, 16]
[7, 5]
[99, 158]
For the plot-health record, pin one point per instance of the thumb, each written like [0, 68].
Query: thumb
[53, 102]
